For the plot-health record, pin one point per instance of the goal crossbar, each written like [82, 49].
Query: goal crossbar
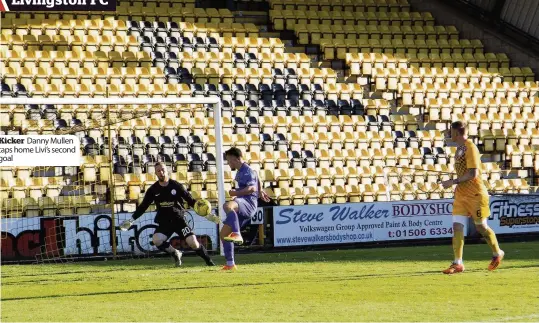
[215, 100]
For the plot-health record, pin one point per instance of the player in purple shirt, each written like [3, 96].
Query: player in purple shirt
[242, 207]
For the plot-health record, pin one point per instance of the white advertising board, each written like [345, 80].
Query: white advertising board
[361, 222]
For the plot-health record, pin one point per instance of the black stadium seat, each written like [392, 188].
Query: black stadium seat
[211, 90]
[292, 92]
[160, 44]
[173, 44]
[6, 90]
[281, 142]
[158, 59]
[160, 29]
[167, 147]
[266, 91]
[226, 93]
[195, 162]
[210, 164]
[196, 145]
[137, 146]
[305, 91]
[33, 112]
[309, 159]
[198, 90]
[60, 124]
[212, 44]
[148, 161]
[152, 147]
[134, 164]
[296, 160]
[49, 112]
[239, 92]
[90, 146]
[267, 142]
[120, 165]
[252, 92]
[19, 90]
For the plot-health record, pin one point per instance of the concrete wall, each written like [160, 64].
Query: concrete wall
[523, 14]
[483, 4]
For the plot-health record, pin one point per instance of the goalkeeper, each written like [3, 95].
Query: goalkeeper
[169, 197]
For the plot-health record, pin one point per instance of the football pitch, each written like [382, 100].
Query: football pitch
[381, 284]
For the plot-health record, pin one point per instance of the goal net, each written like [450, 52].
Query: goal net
[59, 213]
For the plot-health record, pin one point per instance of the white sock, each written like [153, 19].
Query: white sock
[171, 249]
[458, 261]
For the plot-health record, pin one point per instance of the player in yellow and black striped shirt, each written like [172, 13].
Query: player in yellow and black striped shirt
[471, 199]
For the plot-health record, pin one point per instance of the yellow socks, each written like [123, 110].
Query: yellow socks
[490, 236]
[458, 245]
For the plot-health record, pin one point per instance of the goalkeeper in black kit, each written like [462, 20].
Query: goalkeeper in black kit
[169, 197]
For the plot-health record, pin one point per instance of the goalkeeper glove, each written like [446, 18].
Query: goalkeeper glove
[213, 218]
[126, 224]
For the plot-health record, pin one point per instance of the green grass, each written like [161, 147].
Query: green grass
[391, 284]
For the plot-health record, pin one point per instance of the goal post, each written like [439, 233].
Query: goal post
[106, 123]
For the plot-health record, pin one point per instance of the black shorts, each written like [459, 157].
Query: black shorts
[178, 225]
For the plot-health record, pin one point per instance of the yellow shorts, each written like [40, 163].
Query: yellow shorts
[476, 207]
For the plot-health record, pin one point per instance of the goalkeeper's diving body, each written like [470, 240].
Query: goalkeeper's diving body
[170, 197]
[244, 204]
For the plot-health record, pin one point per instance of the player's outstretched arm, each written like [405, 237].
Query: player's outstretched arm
[244, 191]
[143, 206]
[185, 196]
[188, 198]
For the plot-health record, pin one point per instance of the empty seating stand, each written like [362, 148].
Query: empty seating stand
[312, 138]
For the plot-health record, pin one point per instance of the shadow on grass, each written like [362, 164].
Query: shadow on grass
[514, 251]
[475, 251]
[247, 284]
